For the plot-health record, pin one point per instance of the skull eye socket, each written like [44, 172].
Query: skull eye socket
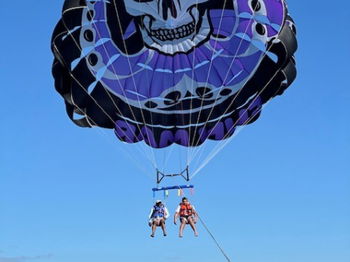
[172, 98]
[204, 92]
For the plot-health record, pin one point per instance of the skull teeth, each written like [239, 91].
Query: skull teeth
[172, 34]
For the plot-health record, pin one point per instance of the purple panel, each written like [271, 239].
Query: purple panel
[181, 137]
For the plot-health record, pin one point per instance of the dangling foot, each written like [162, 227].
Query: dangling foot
[180, 236]
[196, 234]
[152, 235]
[165, 234]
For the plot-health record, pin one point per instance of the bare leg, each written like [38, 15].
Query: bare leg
[182, 226]
[154, 227]
[162, 224]
[191, 222]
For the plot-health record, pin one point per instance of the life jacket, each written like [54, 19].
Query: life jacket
[158, 211]
[186, 210]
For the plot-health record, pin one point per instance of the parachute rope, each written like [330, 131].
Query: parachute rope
[214, 239]
[201, 149]
[221, 145]
[133, 79]
[139, 148]
[151, 155]
[221, 250]
[153, 159]
[196, 156]
[189, 149]
[128, 153]
[143, 151]
[210, 68]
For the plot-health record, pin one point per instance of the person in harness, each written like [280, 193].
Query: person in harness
[159, 213]
[188, 215]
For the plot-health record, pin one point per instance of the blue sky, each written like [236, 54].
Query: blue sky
[280, 191]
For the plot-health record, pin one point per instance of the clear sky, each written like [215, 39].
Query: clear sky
[280, 191]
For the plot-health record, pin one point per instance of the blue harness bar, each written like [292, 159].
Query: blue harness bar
[172, 188]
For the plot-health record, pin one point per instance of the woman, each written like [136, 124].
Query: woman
[159, 213]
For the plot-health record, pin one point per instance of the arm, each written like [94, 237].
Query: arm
[166, 215]
[176, 214]
[195, 214]
[151, 213]
[175, 217]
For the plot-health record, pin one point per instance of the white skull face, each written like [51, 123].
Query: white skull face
[170, 26]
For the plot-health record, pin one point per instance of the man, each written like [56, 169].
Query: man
[188, 215]
[159, 213]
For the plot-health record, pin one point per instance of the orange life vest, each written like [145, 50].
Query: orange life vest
[186, 210]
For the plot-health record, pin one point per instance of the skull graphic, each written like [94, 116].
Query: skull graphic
[172, 71]
[171, 26]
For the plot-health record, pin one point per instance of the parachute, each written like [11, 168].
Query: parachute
[172, 72]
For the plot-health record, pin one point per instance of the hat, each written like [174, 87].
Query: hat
[158, 201]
